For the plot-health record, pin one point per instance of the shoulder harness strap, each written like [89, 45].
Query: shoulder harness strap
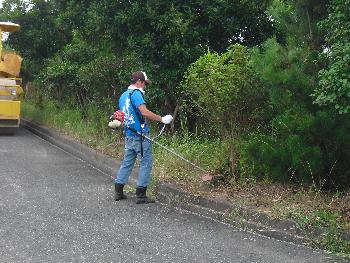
[139, 116]
[137, 111]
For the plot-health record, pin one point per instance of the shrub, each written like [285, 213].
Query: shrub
[222, 93]
[334, 80]
[304, 144]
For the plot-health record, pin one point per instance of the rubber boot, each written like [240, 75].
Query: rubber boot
[141, 197]
[119, 195]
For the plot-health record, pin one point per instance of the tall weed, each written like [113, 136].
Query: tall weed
[205, 153]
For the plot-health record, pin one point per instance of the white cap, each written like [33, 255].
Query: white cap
[146, 79]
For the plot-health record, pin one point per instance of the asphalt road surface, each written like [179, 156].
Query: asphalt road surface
[57, 208]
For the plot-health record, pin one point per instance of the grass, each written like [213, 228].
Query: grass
[331, 223]
[91, 131]
[204, 153]
[307, 206]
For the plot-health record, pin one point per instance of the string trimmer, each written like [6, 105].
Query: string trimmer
[117, 119]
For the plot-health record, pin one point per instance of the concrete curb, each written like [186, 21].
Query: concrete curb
[242, 217]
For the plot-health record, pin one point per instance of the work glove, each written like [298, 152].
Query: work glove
[167, 119]
[114, 124]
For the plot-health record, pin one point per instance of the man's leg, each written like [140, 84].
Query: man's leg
[125, 169]
[144, 176]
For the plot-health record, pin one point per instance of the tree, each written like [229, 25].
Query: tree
[38, 38]
[296, 20]
[334, 80]
[170, 35]
[166, 35]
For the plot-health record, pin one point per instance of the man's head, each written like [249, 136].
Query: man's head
[139, 79]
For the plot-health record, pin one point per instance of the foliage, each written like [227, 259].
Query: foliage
[334, 89]
[304, 144]
[166, 36]
[303, 148]
[60, 75]
[329, 222]
[38, 38]
[332, 241]
[296, 20]
[223, 92]
[81, 73]
[105, 78]
[284, 69]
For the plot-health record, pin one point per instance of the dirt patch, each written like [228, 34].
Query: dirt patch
[342, 204]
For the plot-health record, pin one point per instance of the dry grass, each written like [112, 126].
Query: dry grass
[277, 200]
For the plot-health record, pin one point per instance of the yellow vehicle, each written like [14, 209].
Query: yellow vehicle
[10, 84]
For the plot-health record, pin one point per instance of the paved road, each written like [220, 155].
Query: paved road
[56, 208]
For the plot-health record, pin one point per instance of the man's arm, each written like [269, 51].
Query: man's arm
[149, 114]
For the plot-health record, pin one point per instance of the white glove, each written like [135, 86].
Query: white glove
[114, 124]
[167, 119]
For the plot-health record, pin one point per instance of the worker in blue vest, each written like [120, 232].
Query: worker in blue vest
[136, 114]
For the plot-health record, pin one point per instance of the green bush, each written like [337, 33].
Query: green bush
[334, 79]
[302, 143]
[106, 77]
[222, 93]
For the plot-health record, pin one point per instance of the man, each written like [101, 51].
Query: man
[135, 112]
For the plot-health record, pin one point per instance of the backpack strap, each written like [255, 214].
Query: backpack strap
[140, 117]
[137, 111]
